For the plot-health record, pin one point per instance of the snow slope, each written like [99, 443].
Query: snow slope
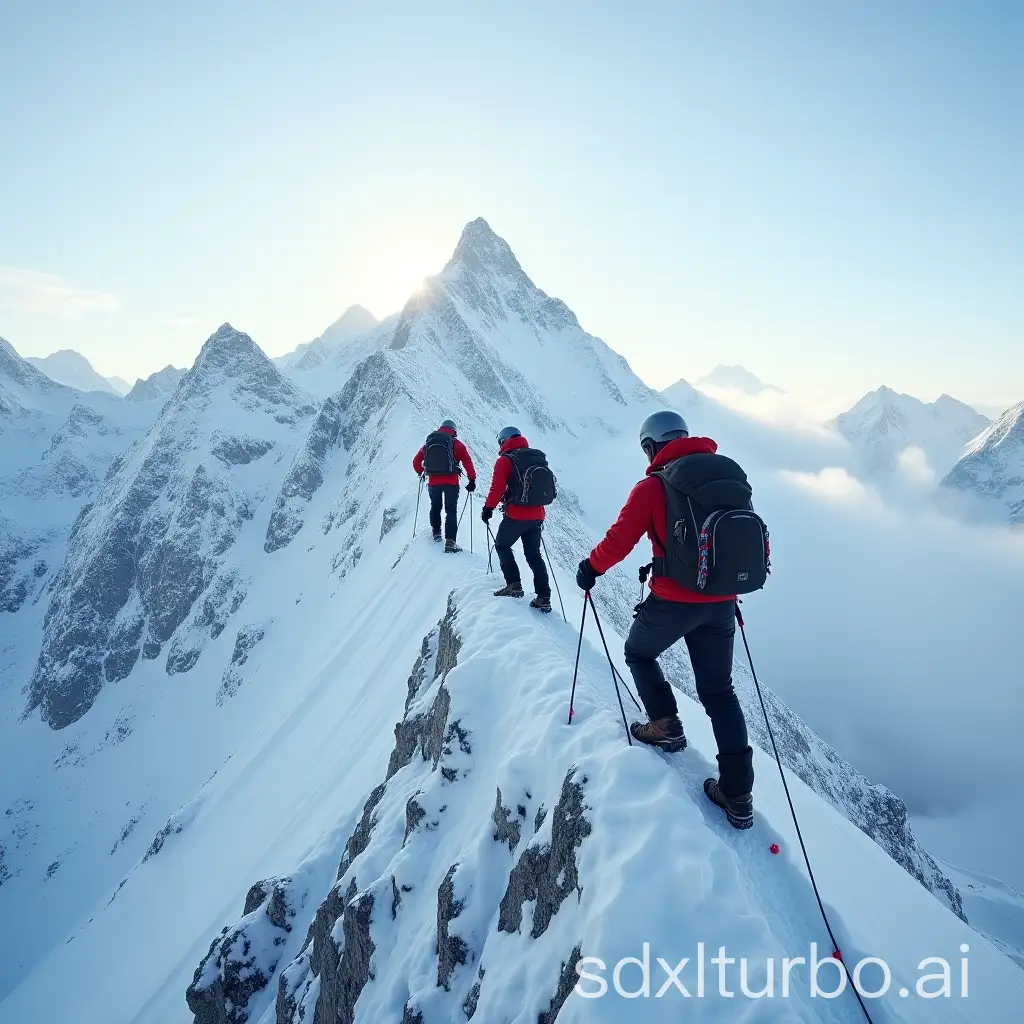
[995, 909]
[73, 369]
[230, 631]
[884, 424]
[505, 844]
[502, 841]
[992, 468]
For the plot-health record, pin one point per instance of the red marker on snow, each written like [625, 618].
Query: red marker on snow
[774, 847]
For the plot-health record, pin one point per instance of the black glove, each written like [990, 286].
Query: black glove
[471, 487]
[586, 575]
[486, 514]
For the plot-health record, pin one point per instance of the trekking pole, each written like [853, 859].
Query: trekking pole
[615, 671]
[553, 576]
[465, 505]
[576, 670]
[490, 546]
[419, 491]
[836, 951]
[615, 679]
[471, 522]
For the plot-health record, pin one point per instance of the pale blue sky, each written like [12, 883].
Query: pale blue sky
[828, 193]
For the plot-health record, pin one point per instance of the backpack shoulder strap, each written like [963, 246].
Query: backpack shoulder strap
[670, 488]
[658, 564]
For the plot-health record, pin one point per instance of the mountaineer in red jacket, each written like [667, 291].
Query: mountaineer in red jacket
[519, 522]
[672, 612]
[441, 458]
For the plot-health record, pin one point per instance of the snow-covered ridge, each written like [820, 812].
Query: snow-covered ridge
[992, 468]
[494, 857]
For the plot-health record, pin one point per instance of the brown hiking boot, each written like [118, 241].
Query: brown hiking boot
[510, 590]
[738, 809]
[666, 734]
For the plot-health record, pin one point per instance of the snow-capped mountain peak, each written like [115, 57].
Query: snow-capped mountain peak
[230, 358]
[230, 352]
[948, 406]
[884, 423]
[480, 249]
[737, 378]
[156, 385]
[72, 368]
[354, 321]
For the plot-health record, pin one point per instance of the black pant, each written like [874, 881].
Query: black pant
[450, 494]
[709, 630]
[529, 531]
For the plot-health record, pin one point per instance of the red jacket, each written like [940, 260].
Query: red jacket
[499, 481]
[645, 512]
[461, 458]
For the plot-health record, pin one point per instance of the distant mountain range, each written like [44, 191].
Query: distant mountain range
[884, 423]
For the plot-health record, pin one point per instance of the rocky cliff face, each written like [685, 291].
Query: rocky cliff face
[56, 445]
[148, 564]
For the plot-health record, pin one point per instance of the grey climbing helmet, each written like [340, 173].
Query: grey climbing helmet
[508, 432]
[661, 427]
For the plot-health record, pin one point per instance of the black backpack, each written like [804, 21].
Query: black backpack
[439, 454]
[531, 481]
[715, 544]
